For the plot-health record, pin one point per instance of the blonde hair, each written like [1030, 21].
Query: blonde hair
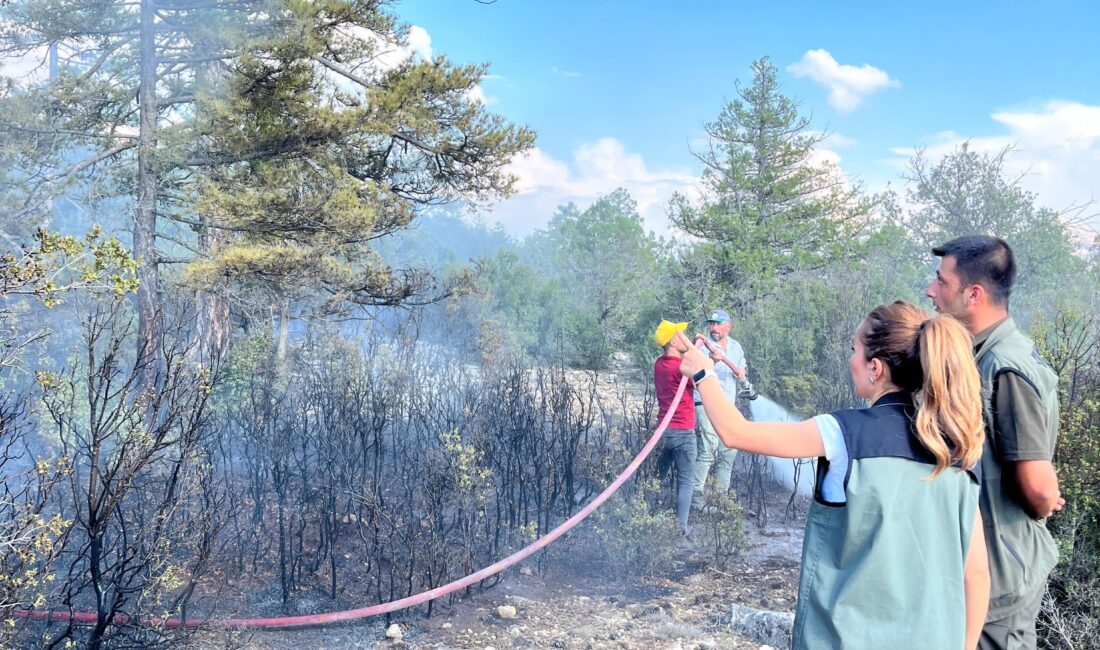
[932, 358]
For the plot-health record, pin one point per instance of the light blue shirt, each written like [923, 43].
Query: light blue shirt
[723, 373]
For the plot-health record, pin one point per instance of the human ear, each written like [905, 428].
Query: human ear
[975, 294]
[874, 369]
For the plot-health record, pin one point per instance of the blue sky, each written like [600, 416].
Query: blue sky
[618, 91]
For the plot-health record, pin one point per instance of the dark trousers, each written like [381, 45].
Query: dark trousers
[1015, 631]
[678, 451]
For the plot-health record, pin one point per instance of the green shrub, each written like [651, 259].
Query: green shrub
[719, 527]
[630, 539]
[1070, 616]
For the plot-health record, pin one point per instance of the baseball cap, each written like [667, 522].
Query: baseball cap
[718, 316]
[666, 330]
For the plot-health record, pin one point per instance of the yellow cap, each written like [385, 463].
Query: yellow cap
[666, 330]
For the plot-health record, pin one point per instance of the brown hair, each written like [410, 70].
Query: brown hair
[932, 358]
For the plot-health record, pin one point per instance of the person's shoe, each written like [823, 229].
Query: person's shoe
[688, 541]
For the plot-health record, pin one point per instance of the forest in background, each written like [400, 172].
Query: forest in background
[251, 345]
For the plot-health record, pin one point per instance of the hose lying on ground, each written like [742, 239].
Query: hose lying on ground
[90, 618]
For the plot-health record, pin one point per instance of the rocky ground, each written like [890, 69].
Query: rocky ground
[684, 607]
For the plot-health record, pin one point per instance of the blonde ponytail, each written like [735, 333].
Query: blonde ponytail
[949, 413]
[932, 359]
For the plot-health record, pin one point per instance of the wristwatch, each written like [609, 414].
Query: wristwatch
[701, 375]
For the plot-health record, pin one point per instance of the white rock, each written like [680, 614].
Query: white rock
[506, 611]
[394, 632]
[765, 627]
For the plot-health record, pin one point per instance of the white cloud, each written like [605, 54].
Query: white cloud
[825, 153]
[386, 54]
[833, 140]
[537, 170]
[1062, 124]
[823, 156]
[596, 168]
[848, 85]
[564, 73]
[419, 43]
[477, 95]
[1055, 151]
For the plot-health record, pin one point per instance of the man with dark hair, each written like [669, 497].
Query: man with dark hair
[1019, 485]
[984, 260]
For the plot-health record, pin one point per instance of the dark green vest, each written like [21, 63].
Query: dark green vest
[1021, 550]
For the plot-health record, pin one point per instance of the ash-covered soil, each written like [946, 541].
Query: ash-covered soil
[568, 604]
[684, 607]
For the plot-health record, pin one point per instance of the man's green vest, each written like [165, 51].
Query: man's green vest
[1021, 550]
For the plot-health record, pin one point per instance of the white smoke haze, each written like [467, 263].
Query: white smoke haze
[767, 410]
[29, 68]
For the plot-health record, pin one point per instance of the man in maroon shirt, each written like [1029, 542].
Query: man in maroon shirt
[678, 442]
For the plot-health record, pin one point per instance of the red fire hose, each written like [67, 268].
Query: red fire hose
[90, 618]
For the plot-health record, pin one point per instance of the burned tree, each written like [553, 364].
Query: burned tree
[141, 494]
[261, 142]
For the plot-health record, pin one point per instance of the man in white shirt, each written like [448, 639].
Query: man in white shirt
[731, 370]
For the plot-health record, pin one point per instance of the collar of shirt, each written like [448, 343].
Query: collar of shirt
[981, 337]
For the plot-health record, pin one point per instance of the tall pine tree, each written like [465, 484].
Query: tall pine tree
[768, 208]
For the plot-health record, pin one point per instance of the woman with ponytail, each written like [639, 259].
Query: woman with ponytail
[894, 552]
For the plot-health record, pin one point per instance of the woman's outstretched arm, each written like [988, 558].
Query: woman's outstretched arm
[782, 439]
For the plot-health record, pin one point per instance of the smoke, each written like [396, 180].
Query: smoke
[791, 472]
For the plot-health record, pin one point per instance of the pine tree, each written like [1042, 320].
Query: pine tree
[258, 142]
[768, 208]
